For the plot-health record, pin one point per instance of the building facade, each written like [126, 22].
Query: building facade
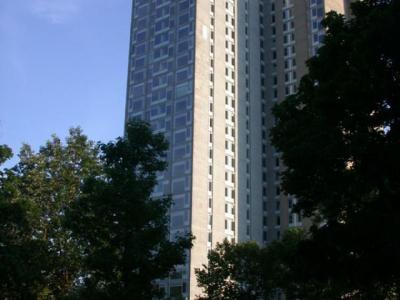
[275, 39]
[206, 73]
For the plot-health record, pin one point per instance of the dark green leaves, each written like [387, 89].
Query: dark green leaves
[39, 257]
[246, 271]
[77, 220]
[123, 231]
[340, 140]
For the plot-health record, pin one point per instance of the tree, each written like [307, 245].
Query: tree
[39, 258]
[229, 272]
[5, 154]
[340, 141]
[123, 231]
[20, 272]
[247, 271]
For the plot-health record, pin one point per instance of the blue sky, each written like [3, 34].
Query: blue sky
[63, 63]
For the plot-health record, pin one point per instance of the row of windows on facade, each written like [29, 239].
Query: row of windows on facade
[143, 56]
[263, 118]
[210, 167]
[284, 3]
[247, 94]
[156, 113]
[163, 64]
[229, 224]
[229, 69]
[165, 124]
[287, 27]
[229, 237]
[288, 38]
[229, 102]
[229, 5]
[160, 9]
[157, 83]
[161, 32]
[177, 93]
[292, 219]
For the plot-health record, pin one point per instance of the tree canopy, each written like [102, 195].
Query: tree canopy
[247, 271]
[77, 220]
[339, 136]
[39, 257]
[123, 231]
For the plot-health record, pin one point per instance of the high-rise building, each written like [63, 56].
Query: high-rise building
[182, 80]
[290, 33]
[206, 73]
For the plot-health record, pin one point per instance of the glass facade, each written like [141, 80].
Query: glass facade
[160, 91]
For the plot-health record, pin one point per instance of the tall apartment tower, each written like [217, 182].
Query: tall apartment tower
[206, 73]
[290, 33]
[182, 73]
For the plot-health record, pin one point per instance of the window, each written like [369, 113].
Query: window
[140, 37]
[179, 137]
[178, 187]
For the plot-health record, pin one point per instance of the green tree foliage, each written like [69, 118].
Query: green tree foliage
[39, 258]
[5, 154]
[77, 220]
[340, 141]
[20, 271]
[226, 264]
[123, 232]
[246, 271]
